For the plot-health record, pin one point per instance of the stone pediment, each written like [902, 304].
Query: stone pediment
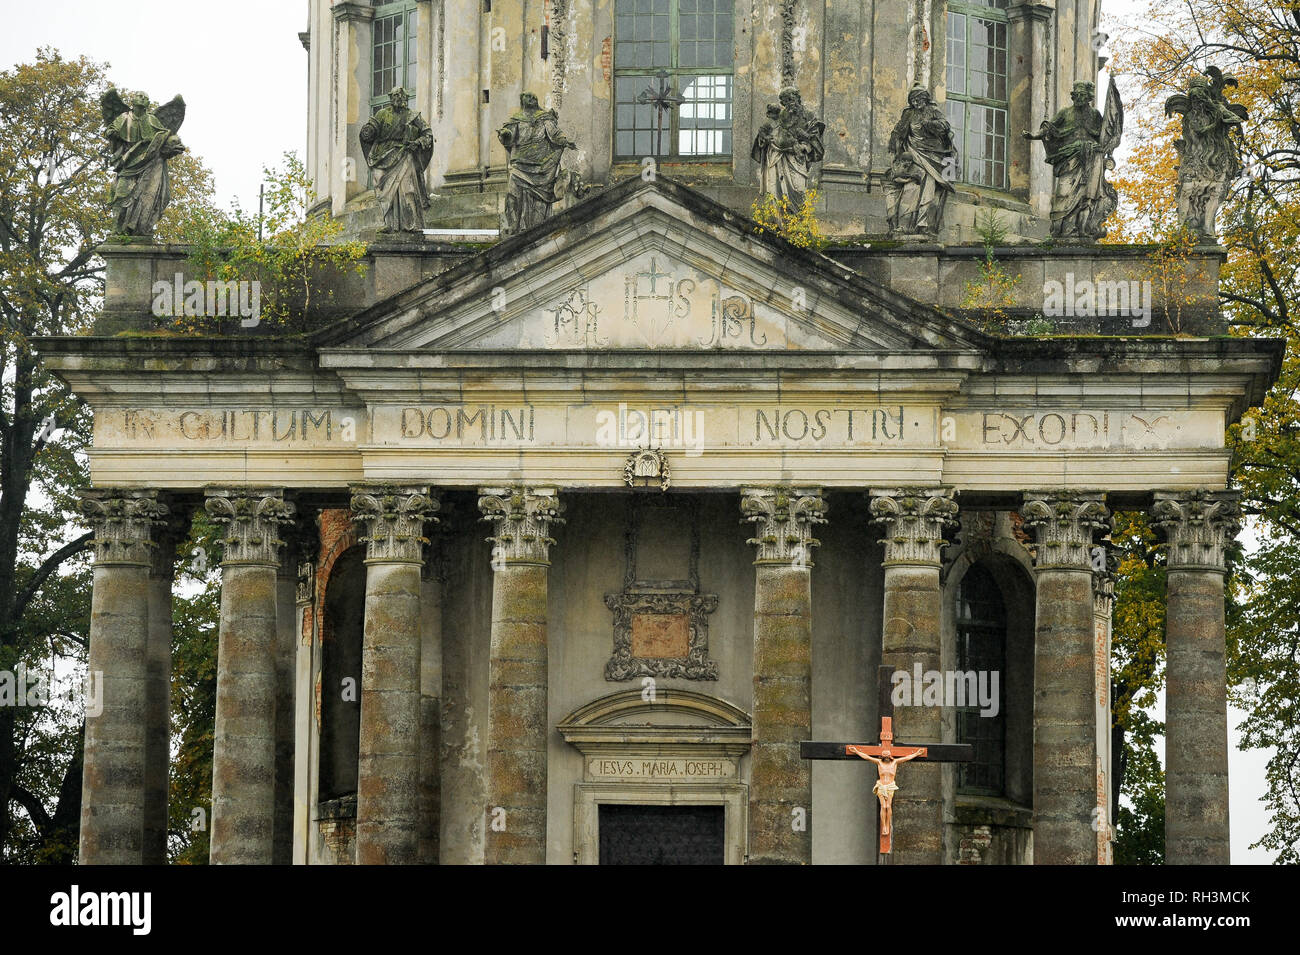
[650, 266]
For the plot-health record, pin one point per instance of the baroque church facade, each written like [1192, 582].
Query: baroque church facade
[555, 547]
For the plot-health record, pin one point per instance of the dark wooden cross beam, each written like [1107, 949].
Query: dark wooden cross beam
[888, 755]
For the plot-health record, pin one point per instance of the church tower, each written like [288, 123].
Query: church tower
[996, 67]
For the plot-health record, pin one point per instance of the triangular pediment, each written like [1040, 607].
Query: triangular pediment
[651, 266]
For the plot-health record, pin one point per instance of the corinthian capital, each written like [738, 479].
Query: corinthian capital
[1198, 525]
[522, 519]
[913, 520]
[123, 523]
[783, 519]
[252, 518]
[392, 521]
[1064, 524]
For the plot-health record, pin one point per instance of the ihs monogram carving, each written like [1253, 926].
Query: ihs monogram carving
[914, 522]
[252, 519]
[784, 519]
[123, 523]
[1198, 526]
[1064, 525]
[393, 520]
[650, 305]
[657, 306]
[522, 518]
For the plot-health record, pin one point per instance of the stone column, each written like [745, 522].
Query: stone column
[158, 665]
[1198, 526]
[302, 542]
[392, 525]
[113, 773]
[780, 783]
[518, 722]
[430, 813]
[1103, 602]
[1065, 717]
[244, 738]
[914, 521]
[305, 703]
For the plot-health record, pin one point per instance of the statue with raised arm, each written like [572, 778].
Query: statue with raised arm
[886, 786]
[786, 147]
[140, 141]
[535, 146]
[398, 144]
[924, 164]
[1208, 158]
[1079, 142]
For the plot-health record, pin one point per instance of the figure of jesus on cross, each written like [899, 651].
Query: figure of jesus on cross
[887, 764]
[888, 757]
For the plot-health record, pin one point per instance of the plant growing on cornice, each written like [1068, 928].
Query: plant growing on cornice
[797, 226]
[995, 290]
[293, 254]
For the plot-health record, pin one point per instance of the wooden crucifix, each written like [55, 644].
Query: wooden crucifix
[888, 755]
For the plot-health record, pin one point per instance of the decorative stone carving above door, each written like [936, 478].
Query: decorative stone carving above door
[661, 626]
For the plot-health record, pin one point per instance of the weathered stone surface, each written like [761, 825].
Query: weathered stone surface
[244, 738]
[1065, 720]
[518, 726]
[780, 795]
[1198, 526]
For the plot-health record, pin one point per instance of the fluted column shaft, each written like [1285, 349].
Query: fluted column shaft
[244, 737]
[1065, 679]
[1198, 525]
[114, 767]
[913, 522]
[388, 778]
[780, 782]
[518, 723]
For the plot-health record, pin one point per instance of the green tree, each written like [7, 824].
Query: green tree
[54, 188]
[1257, 41]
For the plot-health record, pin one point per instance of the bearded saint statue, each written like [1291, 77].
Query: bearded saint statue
[398, 143]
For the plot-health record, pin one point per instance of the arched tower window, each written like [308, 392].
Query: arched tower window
[692, 41]
[978, 100]
[982, 648]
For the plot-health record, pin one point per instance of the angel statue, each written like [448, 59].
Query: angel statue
[1207, 151]
[398, 143]
[140, 141]
[1079, 142]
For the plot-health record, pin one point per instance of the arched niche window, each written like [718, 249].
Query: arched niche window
[340, 683]
[982, 649]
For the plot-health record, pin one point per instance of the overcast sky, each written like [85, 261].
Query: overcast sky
[243, 73]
